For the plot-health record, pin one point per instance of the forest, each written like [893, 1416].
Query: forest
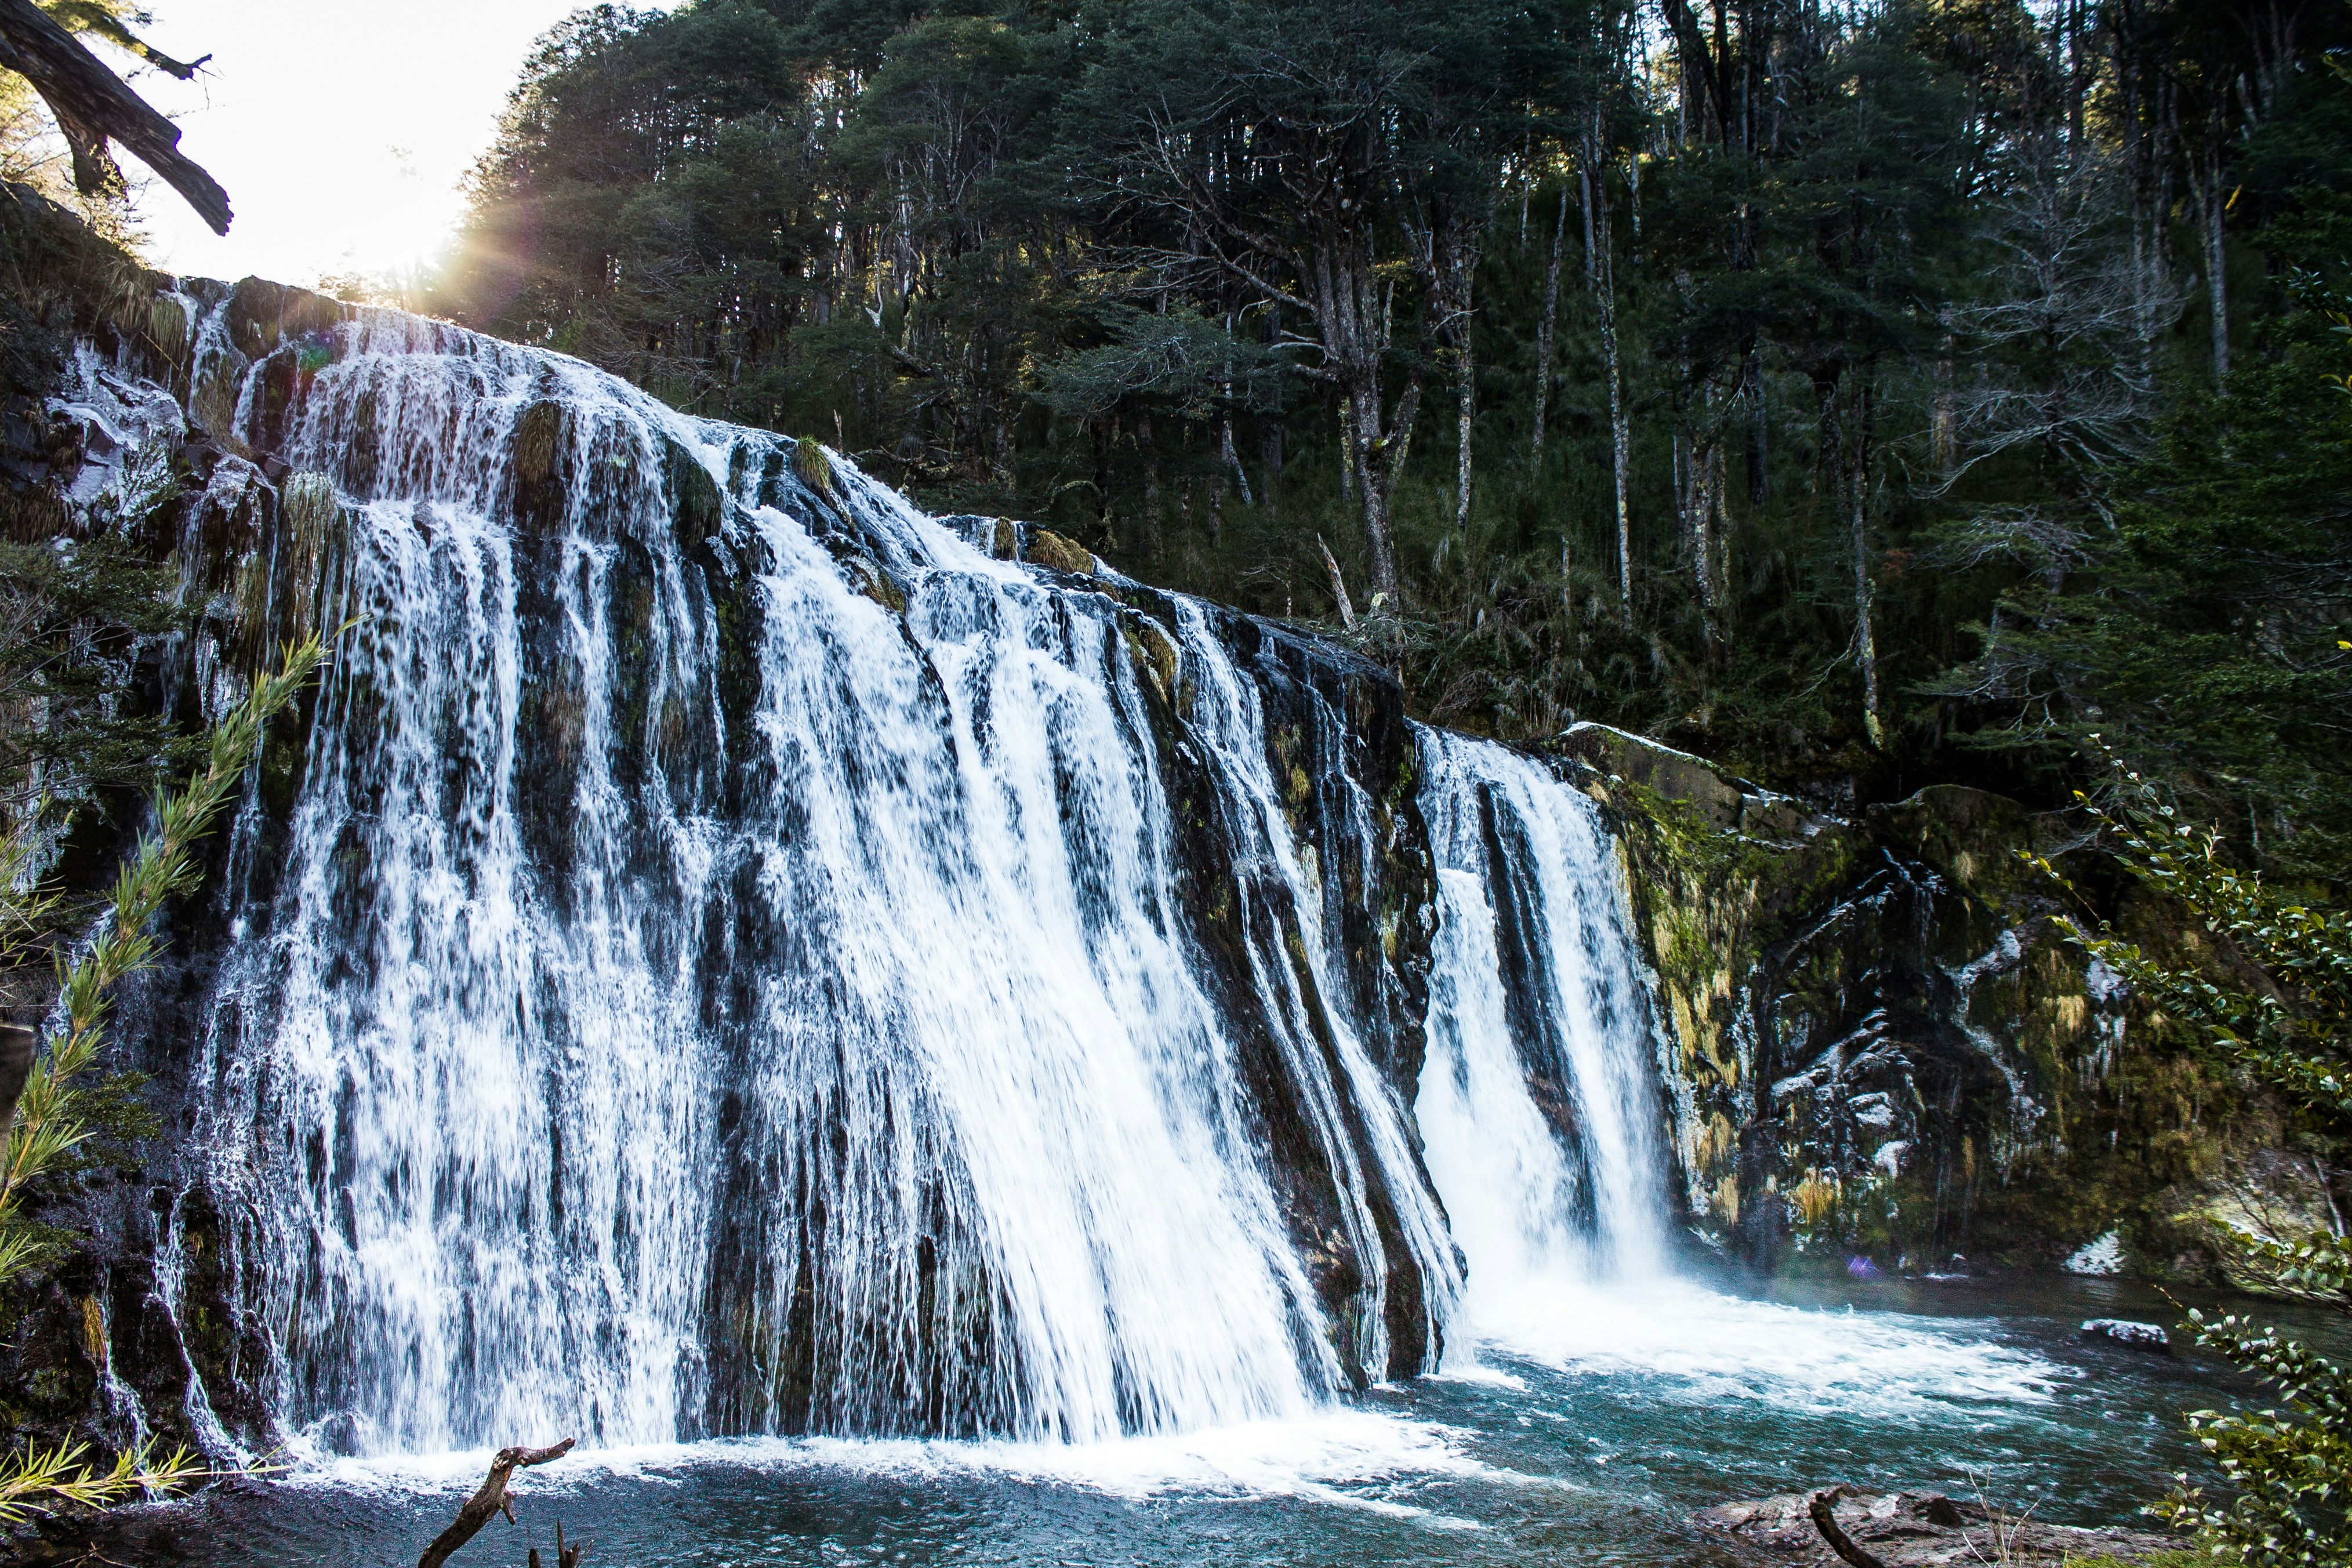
[1860, 396]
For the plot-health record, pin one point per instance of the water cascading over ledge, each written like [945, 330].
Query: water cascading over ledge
[724, 952]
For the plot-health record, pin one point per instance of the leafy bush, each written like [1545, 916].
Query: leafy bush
[2275, 997]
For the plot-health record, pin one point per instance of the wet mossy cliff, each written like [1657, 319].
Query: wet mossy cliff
[1878, 1048]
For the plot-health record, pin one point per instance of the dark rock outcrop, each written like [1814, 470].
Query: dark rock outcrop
[1879, 1046]
[1914, 1530]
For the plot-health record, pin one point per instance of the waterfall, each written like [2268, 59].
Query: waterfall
[1539, 1101]
[727, 954]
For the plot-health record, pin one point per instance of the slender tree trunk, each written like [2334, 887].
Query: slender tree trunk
[1544, 332]
[1225, 452]
[2217, 279]
[1338, 586]
[1699, 469]
[1601, 278]
[1346, 451]
[1462, 263]
[1232, 459]
[1465, 406]
[1379, 464]
[1707, 513]
[1865, 633]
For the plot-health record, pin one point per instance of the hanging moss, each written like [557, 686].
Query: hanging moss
[540, 492]
[697, 509]
[813, 467]
[167, 328]
[311, 531]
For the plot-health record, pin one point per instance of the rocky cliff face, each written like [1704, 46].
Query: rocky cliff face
[1883, 1057]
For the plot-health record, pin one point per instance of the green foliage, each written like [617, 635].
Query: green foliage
[1925, 474]
[2288, 1020]
[49, 1480]
[2275, 996]
[69, 611]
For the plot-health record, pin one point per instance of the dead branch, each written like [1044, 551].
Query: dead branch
[91, 104]
[565, 1556]
[492, 1497]
[1825, 1520]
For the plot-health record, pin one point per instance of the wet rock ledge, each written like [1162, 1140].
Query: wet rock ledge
[1916, 1530]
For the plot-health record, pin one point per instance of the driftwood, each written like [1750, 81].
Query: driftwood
[565, 1556]
[1825, 1520]
[92, 105]
[492, 1497]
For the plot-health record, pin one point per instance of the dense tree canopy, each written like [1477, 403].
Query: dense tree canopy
[1863, 393]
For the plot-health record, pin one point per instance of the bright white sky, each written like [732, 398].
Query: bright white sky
[340, 127]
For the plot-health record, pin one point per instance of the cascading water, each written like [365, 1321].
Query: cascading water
[731, 954]
[1538, 1105]
[735, 957]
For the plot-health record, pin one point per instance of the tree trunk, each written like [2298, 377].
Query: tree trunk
[1600, 276]
[1379, 463]
[2217, 279]
[1461, 264]
[1544, 336]
[1699, 470]
[1866, 633]
[1339, 585]
[1232, 459]
[1465, 396]
[92, 105]
[1346, 454]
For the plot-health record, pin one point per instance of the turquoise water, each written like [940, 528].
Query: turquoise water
[1589, 1437]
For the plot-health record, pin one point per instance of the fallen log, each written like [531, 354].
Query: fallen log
[490, 1498]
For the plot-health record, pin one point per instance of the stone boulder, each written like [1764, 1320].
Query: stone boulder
[1914, 1529]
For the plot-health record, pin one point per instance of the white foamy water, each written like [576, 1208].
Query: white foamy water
[1688, 1344]
[1336, 1456]
[1537, 1104]
[701, 988]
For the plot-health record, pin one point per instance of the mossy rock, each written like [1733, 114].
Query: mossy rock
[541, 437]
[1970, 836]
[1049, 549]
[697, 509]
[262, 315]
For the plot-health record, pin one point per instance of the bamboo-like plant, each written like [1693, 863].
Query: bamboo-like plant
[2278, 1002]
[51, 1116]
[46, 1481]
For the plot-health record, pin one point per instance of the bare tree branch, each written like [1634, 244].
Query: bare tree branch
[92, 105]
[490, 1498]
